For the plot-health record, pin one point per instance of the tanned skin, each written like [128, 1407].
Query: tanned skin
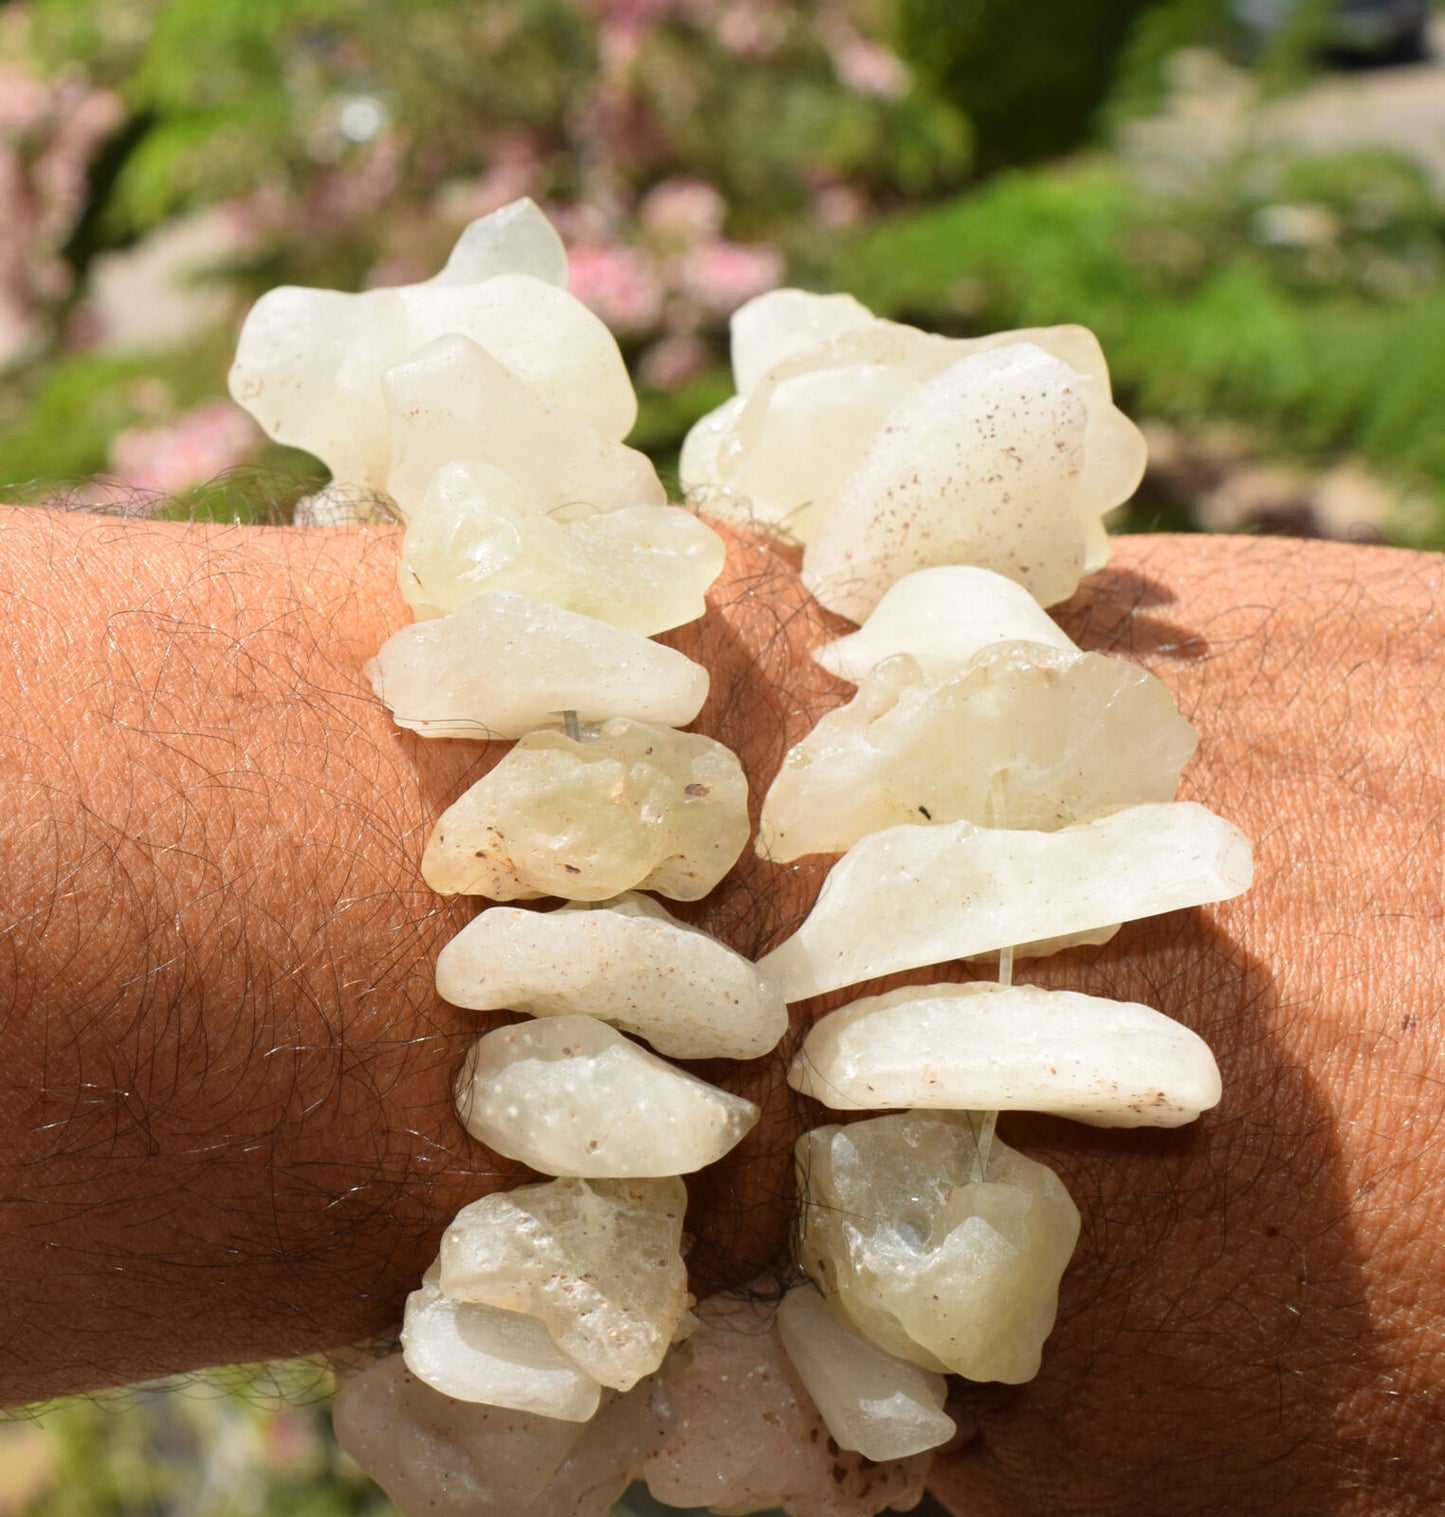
[225, 1126]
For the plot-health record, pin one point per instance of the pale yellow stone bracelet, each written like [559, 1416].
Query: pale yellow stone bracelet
[993, 791]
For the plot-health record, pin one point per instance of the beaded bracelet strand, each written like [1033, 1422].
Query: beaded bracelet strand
[992, 791]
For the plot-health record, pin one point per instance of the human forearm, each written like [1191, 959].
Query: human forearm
[1240, 1297]
[227, 1127]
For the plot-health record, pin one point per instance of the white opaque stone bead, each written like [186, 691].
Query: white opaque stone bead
[873, 1402]
[988, 1047]
[477, 1353]
[451, 400]
[943, 617]
[597, 1262]
[630, 965]
[439, 1457]
[309, 363]
[503, 664]
[911, 896]
[982, 465]
[747, 1436]
[569, 1096]
[643, 568]
[627, 804]
[1024, 736]
[938, 1267]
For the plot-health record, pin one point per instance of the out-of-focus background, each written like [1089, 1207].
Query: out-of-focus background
[1245, 199]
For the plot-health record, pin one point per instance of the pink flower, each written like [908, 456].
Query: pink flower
[720, 276]
[619, 283]
[190, 450]
[674, 360]
[871, 69]
[681, 211]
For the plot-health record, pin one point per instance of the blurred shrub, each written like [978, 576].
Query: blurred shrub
[1030, 80]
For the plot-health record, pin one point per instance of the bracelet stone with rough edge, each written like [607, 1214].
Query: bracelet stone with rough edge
[535, 541]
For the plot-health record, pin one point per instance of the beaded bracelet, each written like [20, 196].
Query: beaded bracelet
[993, 792]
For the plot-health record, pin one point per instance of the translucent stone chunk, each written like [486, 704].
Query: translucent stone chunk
[452, 400]
[943, 617]
[438, 1457]
[873, 1402]
[1024, 736]
[643, 568]
[477, 1353]
[309, 363]
[923, 895]
[627, 804]
[631, 965]
[819, 382]
[597, 1262]
[987, 1047]
[772, 327]
[946, 1271]
[503, 664]
[569, 1096]
[983, 465]
[747, 1436]
[517, 239]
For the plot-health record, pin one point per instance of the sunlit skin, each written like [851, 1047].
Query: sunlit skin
[227, 1131]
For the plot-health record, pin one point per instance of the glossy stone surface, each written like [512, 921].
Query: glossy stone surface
[747, 1437]
[309, 363]
[629, 964]
[628, 804]
[438, 1457]
[477, 1353]
[945, 1270]
[911, 896]
[452, 400]
[987, 1047]
[873, 1402]
[643, 568]
[597, 1262]
[503, 664]
[943, 617]
[842, 420]
[984, 465]
[1024, 736]
[569, 1096]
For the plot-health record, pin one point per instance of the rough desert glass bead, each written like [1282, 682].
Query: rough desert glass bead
[627, 804]
[309, 363]
[911, 896]
[943, 617]
[597, 1262]
[642, 568]
[1024, 736]
[569, 1096]
[873, 1402]
[452, 400]
[989, 1047]
[626, 962]
[503, 664]
[938, 1267]
[477, 1353]
[748, 1437]
[439, 1457]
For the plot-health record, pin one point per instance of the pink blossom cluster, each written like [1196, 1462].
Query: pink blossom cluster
[188, 451]
[50, 130]
[678, 276]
